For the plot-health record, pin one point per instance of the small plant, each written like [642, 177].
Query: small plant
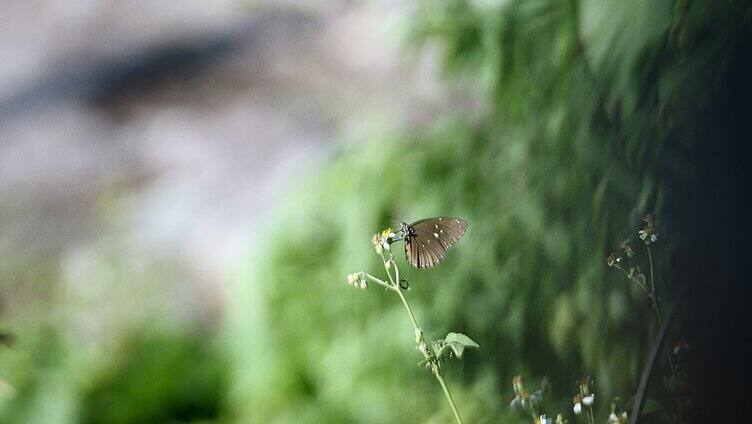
[434, 352]
[627, 262]
[648, 236]
[530, 402]
[584, 399]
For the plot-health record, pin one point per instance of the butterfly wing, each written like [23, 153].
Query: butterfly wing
[427, 240]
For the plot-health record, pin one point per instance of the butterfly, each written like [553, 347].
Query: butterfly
[428, 239]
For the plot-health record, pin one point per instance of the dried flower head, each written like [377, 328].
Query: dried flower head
[521, 395]
[618, 419]
[648, 233]
[584, 385]
[542, 419]
[357, 279]
[626, 247]
[613, 260]
[577, 402]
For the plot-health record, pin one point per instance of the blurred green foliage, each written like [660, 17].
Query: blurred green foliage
[90, 360]
[586, 109]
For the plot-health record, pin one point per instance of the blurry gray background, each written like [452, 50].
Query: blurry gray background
[148, 138]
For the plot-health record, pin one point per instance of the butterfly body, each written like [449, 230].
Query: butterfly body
[427, 240]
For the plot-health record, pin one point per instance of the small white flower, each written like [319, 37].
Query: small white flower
[363, 283]
[618, 419]
[515, 403]
[588, 400]
[543, 420]
[654, 237]
[577, 408]
[351, 279]
[643, 234]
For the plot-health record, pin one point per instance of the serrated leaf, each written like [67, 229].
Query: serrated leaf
[458, 342]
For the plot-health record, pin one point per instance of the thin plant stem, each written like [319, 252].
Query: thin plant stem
[388, 263]
[378, 281]
[650, 260]
[437, 373]
[409, 312]
[434, 361]
[654, 300]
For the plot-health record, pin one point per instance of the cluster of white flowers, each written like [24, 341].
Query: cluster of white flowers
[580, 401]
[648, 233]
[544, 420]
[613, 260]
[648, 236]
[585, 398]
[522, 398]
[381, 241]
[618, 419]
[357, 279]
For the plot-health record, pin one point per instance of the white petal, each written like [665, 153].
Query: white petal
[588, 400]
[577, 408]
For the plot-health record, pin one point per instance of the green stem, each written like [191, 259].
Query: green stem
[409, 311]
[437, 373]
[419, 334]
[657, 310]
[378, 281]
[658, 316]
[652, 279]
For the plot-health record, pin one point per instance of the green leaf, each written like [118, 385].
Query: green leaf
[458, 342]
